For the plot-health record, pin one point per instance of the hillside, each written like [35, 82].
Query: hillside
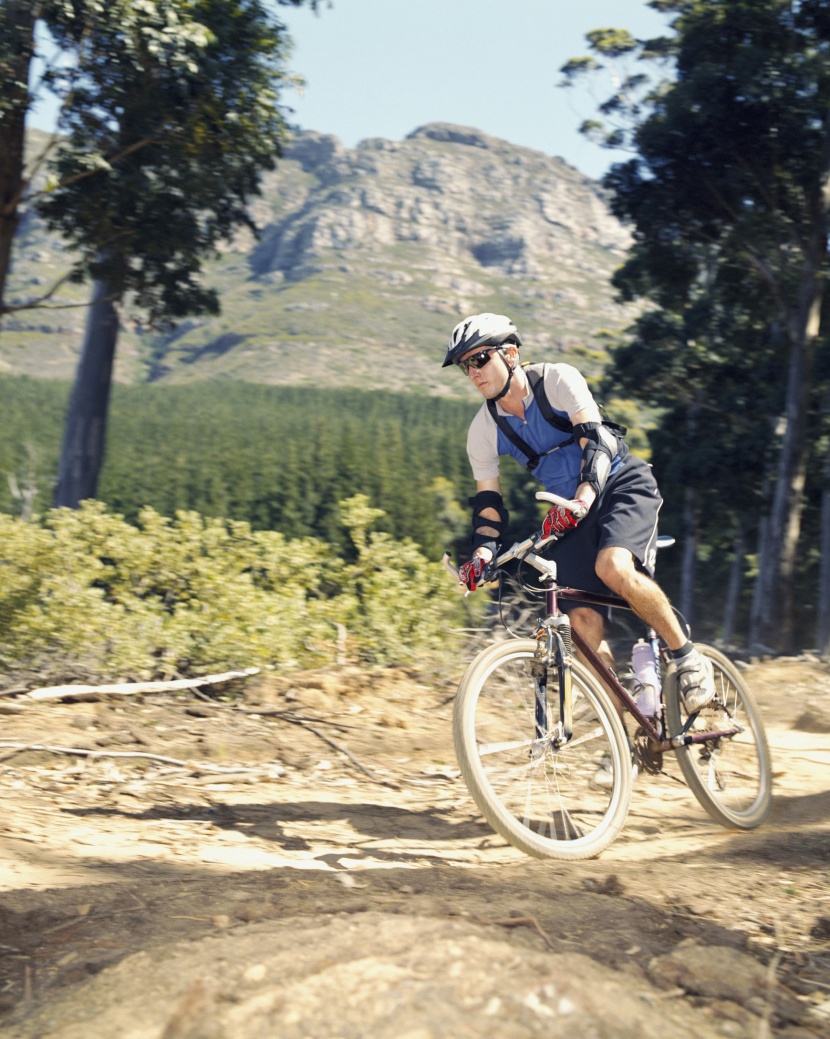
[368, 254]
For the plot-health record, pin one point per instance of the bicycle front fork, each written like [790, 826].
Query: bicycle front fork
[554, 651]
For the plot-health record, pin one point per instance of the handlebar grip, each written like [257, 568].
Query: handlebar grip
[448, 564]
[576, 507]
[447, 561]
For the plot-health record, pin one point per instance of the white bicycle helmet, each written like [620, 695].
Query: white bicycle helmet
[480, 330]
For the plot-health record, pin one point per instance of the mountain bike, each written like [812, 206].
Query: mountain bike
[543, 748]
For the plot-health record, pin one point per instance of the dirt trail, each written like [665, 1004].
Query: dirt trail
[313, 867]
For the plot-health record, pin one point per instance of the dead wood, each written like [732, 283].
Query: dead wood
[79, 692]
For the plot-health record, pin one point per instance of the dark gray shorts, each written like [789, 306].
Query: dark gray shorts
[625, 516]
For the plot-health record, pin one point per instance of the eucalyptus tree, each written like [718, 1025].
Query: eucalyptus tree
[170, 113]
[732, 162]
[17, 50]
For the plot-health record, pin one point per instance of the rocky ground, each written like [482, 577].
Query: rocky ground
[297, 857]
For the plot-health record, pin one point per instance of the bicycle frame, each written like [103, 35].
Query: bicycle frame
[526, 551]
[569, 797]
[553, 592]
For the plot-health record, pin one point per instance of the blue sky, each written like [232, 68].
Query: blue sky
[381, 68]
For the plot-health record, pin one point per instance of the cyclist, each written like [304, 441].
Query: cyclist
[545, 416]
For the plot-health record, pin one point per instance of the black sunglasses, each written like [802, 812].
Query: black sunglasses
[477, 360]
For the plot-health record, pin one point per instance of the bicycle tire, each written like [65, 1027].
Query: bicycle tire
[547, 803]
[730, 777]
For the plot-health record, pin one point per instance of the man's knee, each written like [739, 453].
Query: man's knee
[614, 566]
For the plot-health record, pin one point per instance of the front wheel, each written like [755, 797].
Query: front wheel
[547, 798]
[730, 776]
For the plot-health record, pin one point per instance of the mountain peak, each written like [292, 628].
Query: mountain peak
[366, 257]
[453, 134]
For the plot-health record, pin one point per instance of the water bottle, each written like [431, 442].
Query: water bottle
[648, 684]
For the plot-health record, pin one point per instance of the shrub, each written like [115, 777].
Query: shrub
[84, 592]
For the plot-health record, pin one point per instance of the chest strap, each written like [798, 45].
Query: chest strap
[561, 423]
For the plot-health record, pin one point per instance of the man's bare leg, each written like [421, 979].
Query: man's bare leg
[617, 569]
[591, 626]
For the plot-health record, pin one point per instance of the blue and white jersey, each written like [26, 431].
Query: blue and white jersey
[558, 472]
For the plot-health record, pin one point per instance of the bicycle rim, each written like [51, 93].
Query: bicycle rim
[731, 777]
[568, 803]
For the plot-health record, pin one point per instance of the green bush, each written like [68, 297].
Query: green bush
[84, 593]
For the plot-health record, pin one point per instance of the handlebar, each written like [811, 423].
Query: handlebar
[576, 507]
[527, 549]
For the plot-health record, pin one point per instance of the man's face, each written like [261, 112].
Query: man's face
[490, 377]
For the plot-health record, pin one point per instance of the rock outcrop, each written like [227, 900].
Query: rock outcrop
[375, 252]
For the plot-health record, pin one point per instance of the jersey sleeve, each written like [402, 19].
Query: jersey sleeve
[567, 389]
[482, 446]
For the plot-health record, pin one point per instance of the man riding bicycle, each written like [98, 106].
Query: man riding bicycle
[546, 417]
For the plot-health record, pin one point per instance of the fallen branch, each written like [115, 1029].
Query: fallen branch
[374, 776]
[85, 753]
[289, 715]
[303, 721]
[13, 691]
[78, 692]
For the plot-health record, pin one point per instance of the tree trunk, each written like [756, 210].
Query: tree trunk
[84, 438]
[777, 566]
[20, 18]
[688, 572]
[756, 610]
[689, 565]
[823, 626]
[733, 592]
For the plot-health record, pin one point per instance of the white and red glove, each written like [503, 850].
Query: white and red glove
[560, 520]
[477, 571]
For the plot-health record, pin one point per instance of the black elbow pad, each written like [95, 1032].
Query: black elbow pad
[483, 526]
[597, 455]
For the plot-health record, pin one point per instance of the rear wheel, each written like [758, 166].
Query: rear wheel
[552, 800]
[730, 776]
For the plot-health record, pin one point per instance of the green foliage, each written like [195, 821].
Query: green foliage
[727, 198]
[84, 592]
[629, 414]
[169, 110]
[171, 114]
[401, 602]
[279, 458]
[32, 411]
[612, 43]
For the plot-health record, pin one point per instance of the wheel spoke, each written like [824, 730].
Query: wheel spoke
[731, 775]
[540, 796]
[595, 734]
[505, 746]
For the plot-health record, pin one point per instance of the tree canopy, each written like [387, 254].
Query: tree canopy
[172, 117]
[170, 113]
[727, 194]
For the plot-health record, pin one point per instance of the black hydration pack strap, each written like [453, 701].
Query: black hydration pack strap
[537, 386]
[561, 423]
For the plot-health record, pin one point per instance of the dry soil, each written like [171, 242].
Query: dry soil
[298, 857]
